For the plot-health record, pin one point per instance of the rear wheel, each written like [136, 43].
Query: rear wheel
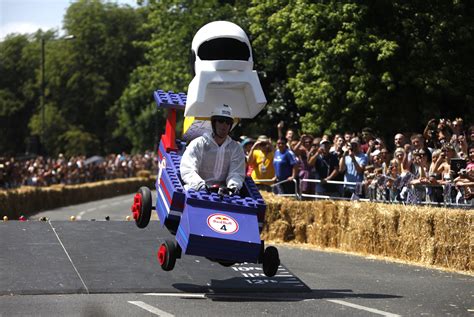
[141, 208]
[167, 255]
[271, 261]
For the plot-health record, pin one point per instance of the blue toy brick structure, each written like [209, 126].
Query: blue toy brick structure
[225, 228]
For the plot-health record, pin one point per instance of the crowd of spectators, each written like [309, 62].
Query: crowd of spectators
[42, 171]
[436, 165]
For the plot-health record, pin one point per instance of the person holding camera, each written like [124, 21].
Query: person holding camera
[307, 148]
[465, 181]
[352, 164]
[327, 168]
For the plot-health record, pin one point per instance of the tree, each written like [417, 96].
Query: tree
[390, 65]
[90, 73]
[172, 25]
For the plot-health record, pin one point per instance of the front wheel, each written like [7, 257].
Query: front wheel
[167, 255]
[271, 261]
[141, 208]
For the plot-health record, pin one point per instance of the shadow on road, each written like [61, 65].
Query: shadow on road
[285, 295]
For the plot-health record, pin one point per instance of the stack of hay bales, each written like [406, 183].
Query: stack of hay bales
[434, 236]
[29, 200]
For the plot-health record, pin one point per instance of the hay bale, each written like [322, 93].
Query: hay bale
[433, 236]
[30, 200]
[453, 238]
[143, 174]
[279, 231]
[300, 231]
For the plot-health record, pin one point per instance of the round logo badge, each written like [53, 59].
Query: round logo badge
[222, 223]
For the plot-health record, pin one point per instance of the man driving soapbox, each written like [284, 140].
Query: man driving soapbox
[213, 161]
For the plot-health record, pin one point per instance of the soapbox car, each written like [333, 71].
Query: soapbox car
[225, 229]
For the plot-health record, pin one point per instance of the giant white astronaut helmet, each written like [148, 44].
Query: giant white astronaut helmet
[221, 46]
[223, 65]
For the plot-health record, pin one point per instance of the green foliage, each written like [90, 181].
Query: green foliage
[51, 129]
[172, 25]
[325, 66]
[78, 142]
[17, 92]
[390, 65]
[101, 60]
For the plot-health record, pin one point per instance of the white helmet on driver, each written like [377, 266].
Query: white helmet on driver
[222, 111]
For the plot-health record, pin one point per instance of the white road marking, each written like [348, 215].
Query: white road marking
[151, 309]
[372, 310]
[70, 260]
[183, 295]
[82, 213]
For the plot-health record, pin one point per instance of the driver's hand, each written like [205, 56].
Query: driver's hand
[233, 190]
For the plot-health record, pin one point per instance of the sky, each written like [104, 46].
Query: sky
[27, 16]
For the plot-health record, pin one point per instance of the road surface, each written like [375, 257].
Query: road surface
[109, 268]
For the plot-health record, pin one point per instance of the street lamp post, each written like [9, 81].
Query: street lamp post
[43, 85]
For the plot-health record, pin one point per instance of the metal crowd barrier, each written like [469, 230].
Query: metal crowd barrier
[317, 196]
[410, 190]
[296, 194]
[274, 187]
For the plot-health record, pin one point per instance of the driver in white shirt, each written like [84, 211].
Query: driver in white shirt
[214, 159]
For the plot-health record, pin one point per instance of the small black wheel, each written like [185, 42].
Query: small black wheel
[271, 261]
[167, 254]
[141, 208]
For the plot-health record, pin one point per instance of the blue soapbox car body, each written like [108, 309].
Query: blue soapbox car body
[222, 228]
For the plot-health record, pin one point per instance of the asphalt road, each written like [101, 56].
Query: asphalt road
[337, 284]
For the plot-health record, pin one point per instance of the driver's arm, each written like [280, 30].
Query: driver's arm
[189, 165]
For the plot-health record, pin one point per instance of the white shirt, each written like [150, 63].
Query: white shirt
[204, 161]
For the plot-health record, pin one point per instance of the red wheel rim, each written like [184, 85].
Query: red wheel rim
[137, 206]
[162, 254]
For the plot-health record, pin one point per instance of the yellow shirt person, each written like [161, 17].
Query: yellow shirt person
[261, 160]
